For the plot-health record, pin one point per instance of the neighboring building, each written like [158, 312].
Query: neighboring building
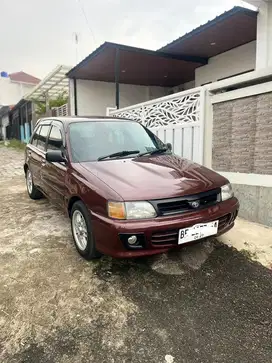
[21, 120]
[14, 86]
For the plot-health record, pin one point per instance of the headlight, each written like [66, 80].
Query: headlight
[131, 210]
[226, 192]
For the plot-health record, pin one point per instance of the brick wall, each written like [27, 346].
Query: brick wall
[242, 135]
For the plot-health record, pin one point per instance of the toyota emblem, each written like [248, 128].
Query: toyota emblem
[195, 204]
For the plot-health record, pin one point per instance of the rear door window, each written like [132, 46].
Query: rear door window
[55, 141]
[41, 144]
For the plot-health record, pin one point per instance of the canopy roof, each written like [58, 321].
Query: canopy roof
[173, 64]
[54, 84]
[136, 66]
[229, 30]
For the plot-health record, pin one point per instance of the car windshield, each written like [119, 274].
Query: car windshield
[91, 140]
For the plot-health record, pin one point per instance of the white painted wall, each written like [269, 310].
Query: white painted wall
[228, 64]
[94, 97]
[12, 92]
[264, 34]
[5, 122]
[184, 86]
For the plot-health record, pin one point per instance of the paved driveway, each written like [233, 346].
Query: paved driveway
[206, 304]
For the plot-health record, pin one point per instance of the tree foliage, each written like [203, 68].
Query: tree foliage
[60, 100]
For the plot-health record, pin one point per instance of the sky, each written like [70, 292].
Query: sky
[38, 35]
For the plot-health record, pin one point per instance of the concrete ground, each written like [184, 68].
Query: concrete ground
[207, 303]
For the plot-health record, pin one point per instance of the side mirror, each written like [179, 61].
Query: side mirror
[169, 146]
[55, 156]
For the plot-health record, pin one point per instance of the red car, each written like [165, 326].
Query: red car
[125, 191]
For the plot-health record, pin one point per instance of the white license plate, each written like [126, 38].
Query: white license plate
[198, 231]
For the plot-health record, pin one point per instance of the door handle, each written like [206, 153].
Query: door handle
[29, 153]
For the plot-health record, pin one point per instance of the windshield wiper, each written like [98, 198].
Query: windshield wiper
[120, 153]
[153, 152]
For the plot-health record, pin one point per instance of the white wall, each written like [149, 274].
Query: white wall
[184, 86]
[233, 62]
[12, 92]
[264, 33]
[94, 97]
[5, 122]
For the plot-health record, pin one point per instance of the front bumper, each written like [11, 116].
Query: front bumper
[161, 233]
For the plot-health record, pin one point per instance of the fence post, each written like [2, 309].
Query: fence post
[202, 108]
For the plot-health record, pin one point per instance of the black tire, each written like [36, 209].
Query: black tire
[90, 252]
[33, 192]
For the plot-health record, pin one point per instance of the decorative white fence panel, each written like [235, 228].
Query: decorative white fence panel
[178, 119]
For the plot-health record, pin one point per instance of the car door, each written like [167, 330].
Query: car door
[36, 153]
[54, 174]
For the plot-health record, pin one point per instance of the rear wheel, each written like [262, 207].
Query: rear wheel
[33, 192]
[82, 231]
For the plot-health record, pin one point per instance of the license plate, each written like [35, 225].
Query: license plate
[198, 231]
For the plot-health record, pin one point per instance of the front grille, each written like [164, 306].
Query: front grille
[171, 206]
[170, 237]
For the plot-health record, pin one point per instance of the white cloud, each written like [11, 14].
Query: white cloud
[37, 35]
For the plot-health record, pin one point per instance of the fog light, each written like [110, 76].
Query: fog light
[132, 240]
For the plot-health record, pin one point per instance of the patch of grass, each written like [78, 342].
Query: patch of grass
[16, 144]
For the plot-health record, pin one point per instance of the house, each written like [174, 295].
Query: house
[116, 75]
[23, 116]
[14, 86]
[208, 92]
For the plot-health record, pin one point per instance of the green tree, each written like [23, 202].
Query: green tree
[60, 100]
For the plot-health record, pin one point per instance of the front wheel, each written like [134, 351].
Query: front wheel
[33, 192]
[82, 231]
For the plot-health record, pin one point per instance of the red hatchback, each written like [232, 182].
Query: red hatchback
[126, 193]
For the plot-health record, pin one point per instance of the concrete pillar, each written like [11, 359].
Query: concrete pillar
[264, 34]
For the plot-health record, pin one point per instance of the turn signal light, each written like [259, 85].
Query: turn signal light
[116, 210]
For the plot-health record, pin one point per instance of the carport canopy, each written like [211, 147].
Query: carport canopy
[119, 63]
[136, 66]
[53, 85]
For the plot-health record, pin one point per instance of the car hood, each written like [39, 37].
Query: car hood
[154, 177]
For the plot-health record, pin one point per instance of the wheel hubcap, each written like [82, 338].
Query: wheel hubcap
[80, 230]
[29, 182]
